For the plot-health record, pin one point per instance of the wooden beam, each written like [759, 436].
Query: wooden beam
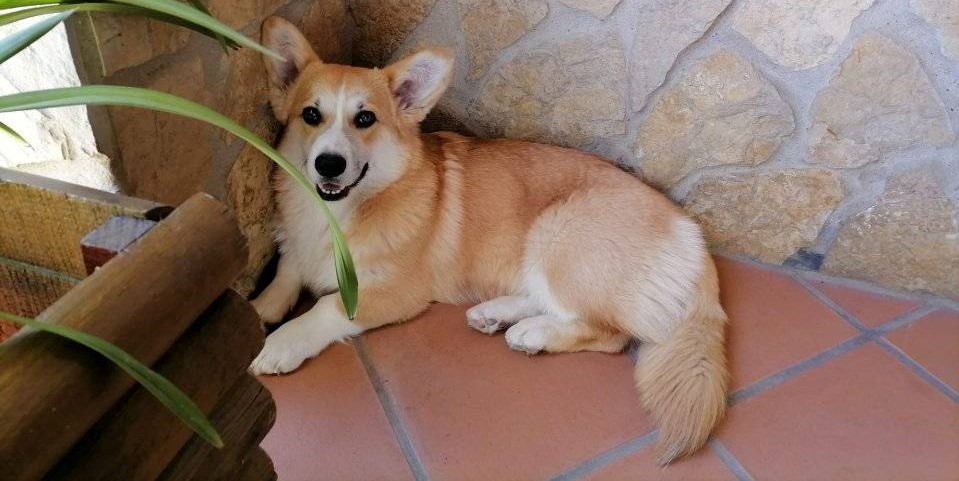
[139, 438]
[52, 391]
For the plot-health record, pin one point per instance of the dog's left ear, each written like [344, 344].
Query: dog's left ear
[285, 39]
[418, 82]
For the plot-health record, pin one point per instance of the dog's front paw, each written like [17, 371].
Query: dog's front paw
[283, 352]
[270, 312]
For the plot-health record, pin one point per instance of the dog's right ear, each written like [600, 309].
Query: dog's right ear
[285, 39]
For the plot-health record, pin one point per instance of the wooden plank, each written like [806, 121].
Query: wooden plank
[139, 438]
[114, 236]
[43, 220]
[243, 417]
[256, 467]
[141, 301]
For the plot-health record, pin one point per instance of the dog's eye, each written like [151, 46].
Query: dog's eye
[364, 119]
[311, 115]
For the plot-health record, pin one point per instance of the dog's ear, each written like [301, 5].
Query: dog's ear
[418, 81]
[285, 39]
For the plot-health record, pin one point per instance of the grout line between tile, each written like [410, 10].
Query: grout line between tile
[889, 326]
[831, 304]
[857, 284]
[601, 460]
[392, 413]
[719, 449]
[918, 369]
[800, 367]
[905, 319]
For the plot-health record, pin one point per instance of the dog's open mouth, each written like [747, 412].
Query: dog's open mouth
[331, 191]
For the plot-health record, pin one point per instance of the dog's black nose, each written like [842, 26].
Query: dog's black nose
[330, 165]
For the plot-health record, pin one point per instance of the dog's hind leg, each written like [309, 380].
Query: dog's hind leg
[278, 297]
[551, 333]
[493, 315]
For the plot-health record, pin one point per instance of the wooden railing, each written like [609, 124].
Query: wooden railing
[163, 296]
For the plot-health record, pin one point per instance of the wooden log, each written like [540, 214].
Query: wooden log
[43, 220]
[115, 235]
[140, 437]
[256, 467]
[243, 418]
[52, 390]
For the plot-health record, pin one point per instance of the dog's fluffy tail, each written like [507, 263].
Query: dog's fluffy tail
[682, 381]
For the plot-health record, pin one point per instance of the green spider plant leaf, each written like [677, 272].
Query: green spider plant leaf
[99, 7]
[162, 389]
[149, 99]
[13, 134]
[226, 44]
[12, 44]
[171, 8]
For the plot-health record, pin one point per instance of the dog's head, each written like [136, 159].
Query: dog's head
[349, 129]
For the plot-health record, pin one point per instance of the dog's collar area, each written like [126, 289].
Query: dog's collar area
[330, 197]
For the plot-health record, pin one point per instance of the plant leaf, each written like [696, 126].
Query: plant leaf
[150, 99]
[168, 394]
[172, 8]
[13, 134]
[114, 8]
[226, 44]
[12, 44]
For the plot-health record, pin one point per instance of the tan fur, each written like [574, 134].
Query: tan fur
[592, 256]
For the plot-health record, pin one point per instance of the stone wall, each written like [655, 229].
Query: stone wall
[819, 134]
[167, 158]
[60, 142]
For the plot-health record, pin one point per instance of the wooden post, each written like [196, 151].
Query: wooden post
[140, 437]
[256, 467]
[243, 418]
[52, 391]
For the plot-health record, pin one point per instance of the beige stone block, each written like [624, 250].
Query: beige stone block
[944, 16]
[382, 25]
[766, 216]
[721, 112]
[567, 93]
[908, 240]
[491, 25]
[240, 13]
[598, 8]
[664, 29]
[798, 35]
[880, 101]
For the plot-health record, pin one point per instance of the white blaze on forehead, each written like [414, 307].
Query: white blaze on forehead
[339, 105]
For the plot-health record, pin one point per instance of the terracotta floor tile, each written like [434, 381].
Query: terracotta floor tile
[774, 322]
[933, 341]
[861, 416]
[329, 423]
[703, 466]
[871, 309]
[477, 410]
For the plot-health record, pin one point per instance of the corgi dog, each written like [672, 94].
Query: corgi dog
[565, 251]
